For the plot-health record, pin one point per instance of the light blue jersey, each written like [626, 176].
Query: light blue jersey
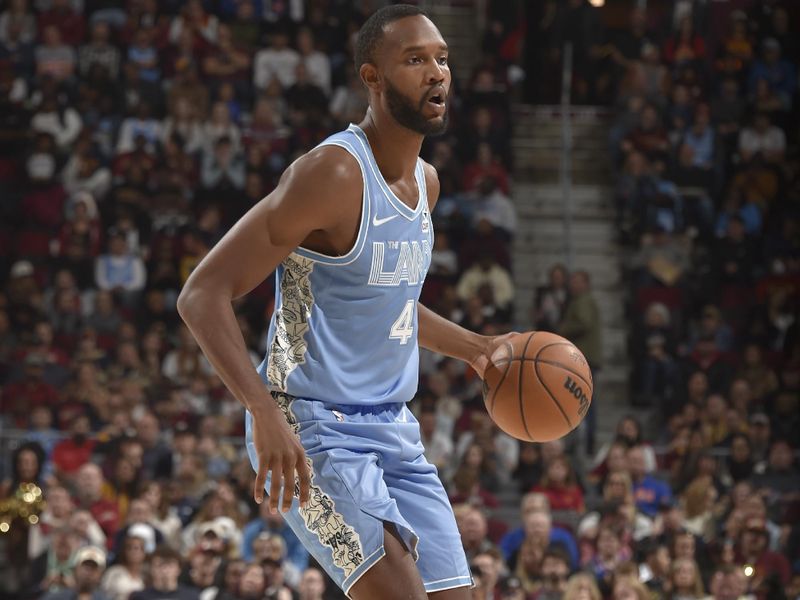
[342, 362]
[345, 328]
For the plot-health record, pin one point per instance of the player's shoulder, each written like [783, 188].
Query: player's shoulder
[431, 183]
[330, 168]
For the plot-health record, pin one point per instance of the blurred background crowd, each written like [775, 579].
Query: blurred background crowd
[135, 132]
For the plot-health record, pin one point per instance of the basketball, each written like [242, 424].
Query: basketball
[538, 386]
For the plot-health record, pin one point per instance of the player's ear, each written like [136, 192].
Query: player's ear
[370, 76]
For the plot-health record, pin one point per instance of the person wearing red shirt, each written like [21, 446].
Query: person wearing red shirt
[71, 24]
[560, 486]
[89, 496]
[71, 454]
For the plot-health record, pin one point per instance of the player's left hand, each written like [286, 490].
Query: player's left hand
[481, 361]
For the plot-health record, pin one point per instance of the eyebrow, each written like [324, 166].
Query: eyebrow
[418, 48]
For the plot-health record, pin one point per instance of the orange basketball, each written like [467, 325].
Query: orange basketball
[538, 386]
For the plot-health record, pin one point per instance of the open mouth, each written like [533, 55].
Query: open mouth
[436, 99]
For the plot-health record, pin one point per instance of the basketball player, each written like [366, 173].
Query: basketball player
[349, 230]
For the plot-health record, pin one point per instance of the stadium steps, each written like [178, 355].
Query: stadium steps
[540, 243]
[458, 22]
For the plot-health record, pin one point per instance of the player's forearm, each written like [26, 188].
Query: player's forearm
[210, 318]
[445, 337]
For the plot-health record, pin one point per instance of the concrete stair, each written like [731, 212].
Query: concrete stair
[540, 239]
[538, 139]
[458, 22]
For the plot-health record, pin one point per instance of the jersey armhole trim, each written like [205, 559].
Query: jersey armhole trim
[358, 246]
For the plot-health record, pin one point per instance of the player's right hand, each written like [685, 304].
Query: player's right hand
[280, 452]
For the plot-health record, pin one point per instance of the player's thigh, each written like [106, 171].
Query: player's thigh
[343, 524]
[393, 577]
[423, 502]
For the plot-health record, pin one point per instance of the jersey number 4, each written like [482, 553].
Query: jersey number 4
[403, 327]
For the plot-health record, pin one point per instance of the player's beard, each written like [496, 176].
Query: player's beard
[411, 117]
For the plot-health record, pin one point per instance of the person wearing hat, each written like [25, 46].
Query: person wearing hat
[90, 563]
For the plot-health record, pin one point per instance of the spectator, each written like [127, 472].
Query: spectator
[62, 122]
[18, 16]
[754, 550]
[54, 58]
[89, 496]
[581, 586]
[560, 486]
[70, 23]
[581, 324]
[223, 169]
[317, 63]
[762, 140]
[165, 567]
[487, 273]
[53, 570]
[126, 576]
[119, 270]
[71, 454]
[99, 51]
[649, 492]
[274, 524]
[551, 299]
[555, 573]
[312, 585]
[194, 18]
[90, 563]
[30, 392]
[778, 73]
[227, 62]
[276, 63]
[438, 446]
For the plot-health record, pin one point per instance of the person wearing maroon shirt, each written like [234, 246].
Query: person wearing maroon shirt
[20, 397]
[89, 496]
[754, 550]
[70, 23]
[71, 454]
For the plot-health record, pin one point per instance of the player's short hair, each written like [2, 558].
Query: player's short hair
[371, 32]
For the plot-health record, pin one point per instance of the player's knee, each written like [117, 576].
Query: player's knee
[393, 577]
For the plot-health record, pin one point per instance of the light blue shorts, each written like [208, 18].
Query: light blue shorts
[367, 469]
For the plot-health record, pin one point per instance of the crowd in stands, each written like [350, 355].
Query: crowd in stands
[135, 132]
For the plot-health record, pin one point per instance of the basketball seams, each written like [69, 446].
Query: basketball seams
[553, 363]
[552, 396]
[521, 387]
[561, 365]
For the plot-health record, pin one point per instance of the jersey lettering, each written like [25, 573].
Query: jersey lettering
[410, 265]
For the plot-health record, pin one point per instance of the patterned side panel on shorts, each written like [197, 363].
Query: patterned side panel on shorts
[292, 320]
[320, 514]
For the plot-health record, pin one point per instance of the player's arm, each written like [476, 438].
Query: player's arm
[442, 335]
[311, 196]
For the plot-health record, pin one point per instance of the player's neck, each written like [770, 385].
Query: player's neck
[395, 148]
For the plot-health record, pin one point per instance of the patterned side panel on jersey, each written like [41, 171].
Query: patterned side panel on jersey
[292, 319]
[320, 514]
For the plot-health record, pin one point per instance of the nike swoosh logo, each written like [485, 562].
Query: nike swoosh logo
[378, 222]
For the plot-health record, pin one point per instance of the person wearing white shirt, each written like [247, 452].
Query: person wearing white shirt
[438, 446]
[120, 269]
[318, 65]
[764, 138]
[279, 61]
[64, 124]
